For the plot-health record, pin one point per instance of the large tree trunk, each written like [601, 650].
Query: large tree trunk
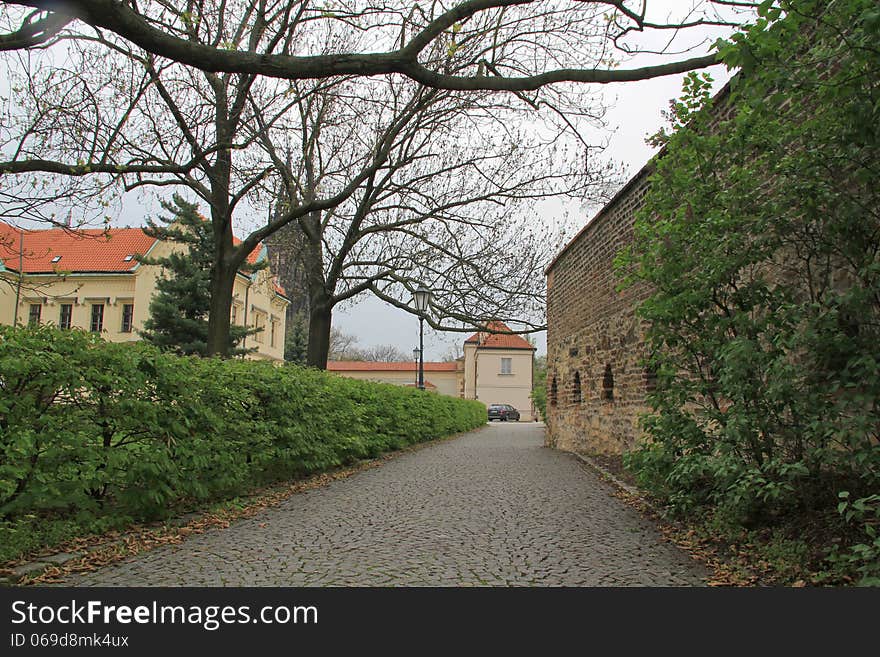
[319, 334]
[222, 274]
[222, 282]
[320, 296]
[225, 267]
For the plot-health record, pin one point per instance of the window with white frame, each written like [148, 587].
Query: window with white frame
[507, 366]
[65, 316]
[97, 323]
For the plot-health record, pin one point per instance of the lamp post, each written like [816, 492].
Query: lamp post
[416, 353]
[421, 299]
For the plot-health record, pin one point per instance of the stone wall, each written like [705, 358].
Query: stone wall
[595, 346]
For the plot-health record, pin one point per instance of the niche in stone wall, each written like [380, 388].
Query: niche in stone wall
[650, 379]
[608, 383]
[576, 389]
[553, 390]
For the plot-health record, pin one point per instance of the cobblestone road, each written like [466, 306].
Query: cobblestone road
[493, 507]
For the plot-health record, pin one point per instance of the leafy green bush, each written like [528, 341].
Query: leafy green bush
[760, 237]
[128, 431]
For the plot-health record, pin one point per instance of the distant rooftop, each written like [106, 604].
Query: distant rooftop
[503, 338]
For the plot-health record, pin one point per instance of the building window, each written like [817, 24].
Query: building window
[608, 384]
[506, 367]
[259, 325]
[97, 324]
[576, 389]
[233, 316]
[553, 389]
[66, 315]
[127, 317]
[34, 314]
[273, 325]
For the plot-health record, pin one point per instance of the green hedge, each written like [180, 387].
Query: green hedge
[128, 431]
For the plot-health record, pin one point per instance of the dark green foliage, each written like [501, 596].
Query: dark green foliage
[761, 237]
[179, 310]
[95, 432]
[296, 342]
[539, 385]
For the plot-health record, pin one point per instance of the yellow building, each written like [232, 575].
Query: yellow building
[92, 280]
[496, 369]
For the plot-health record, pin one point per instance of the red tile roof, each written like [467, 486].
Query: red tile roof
[254, 255]
[83, 250]
[57, 249]
[505, 340]
[368, 366]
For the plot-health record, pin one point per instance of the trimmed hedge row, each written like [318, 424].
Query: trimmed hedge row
[124, 429]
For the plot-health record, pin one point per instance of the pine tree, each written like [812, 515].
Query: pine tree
[179, 310]
[296, 343]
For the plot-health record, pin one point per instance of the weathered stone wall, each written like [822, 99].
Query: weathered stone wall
[595, 346]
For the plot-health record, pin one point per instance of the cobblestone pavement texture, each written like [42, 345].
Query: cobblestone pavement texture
[490, 508]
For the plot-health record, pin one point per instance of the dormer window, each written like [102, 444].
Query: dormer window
[56, 258]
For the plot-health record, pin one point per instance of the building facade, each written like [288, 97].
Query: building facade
[496, 368]
[92, 280]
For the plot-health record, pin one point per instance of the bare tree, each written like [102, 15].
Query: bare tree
[385, 353]
[343, 346]
[449, 207]
[453, 353]
[173, 125]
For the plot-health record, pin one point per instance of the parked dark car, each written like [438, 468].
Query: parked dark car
[503, 412]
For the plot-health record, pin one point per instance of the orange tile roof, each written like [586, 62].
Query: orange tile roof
[254, 255]
[506, 340]
[84, 250]
[368, 366]
[57, 249]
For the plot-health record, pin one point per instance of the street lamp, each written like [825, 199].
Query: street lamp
[421, 299]
[416, 353]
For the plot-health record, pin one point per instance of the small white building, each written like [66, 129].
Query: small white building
[496, 368]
